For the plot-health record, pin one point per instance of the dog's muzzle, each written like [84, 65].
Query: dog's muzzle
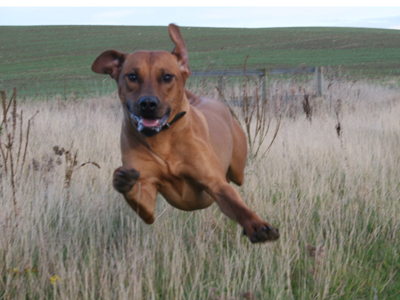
[150, 127]
[147, 120]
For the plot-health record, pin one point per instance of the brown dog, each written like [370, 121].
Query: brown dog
[191, 163]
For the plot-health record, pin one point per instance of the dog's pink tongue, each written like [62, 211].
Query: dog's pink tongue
[150, 123]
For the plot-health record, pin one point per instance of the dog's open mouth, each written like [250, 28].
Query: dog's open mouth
[150, 127]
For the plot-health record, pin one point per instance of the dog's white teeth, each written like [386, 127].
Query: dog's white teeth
[137, 119]
[153, 124]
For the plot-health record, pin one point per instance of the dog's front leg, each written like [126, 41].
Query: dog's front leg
[232, 205]
[139, 193]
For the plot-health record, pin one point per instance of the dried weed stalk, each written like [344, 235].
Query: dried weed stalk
[254, 111]
[339, 132]
[338, 126]
[12, 141]
[71, 163]
[307, 106]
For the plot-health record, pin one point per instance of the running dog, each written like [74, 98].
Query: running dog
[185, 147]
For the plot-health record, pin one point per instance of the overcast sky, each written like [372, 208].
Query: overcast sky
[285, 16]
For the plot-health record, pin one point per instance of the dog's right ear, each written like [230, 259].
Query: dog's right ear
[180, 48]
[109, 62]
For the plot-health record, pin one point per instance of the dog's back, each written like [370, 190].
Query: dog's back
[221, 124]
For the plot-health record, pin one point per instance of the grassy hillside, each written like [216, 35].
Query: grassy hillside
[42, 60]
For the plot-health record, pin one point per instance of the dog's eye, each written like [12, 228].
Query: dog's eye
[167, 78]
[132, 77]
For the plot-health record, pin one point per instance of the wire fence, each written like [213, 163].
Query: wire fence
[94, 85]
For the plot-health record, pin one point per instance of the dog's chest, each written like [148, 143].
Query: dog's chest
[184, 194]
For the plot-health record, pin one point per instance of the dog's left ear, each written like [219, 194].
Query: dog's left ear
[180, 48]
[109, 62]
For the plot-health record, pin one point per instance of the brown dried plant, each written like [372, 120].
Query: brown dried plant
[11, 142]
[307, 106]
[254, 111]
[338, 126]
[71, 164]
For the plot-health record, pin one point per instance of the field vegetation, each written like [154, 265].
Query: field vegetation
[330, 182]
[42, 61]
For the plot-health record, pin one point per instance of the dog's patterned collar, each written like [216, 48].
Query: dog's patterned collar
[176, 118]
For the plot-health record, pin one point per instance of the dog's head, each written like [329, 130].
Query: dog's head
[151, 84]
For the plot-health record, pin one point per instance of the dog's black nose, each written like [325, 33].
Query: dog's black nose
[148, 104]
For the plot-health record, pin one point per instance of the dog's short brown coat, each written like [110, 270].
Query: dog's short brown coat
[192, 162]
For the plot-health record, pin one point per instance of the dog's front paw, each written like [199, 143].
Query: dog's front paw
[260, 233]
[124, 179]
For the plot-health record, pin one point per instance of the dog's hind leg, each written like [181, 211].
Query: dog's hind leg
[232, 205]
[239, 155]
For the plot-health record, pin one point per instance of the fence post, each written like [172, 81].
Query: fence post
[264, 84]
[221, 85]
[318, 81]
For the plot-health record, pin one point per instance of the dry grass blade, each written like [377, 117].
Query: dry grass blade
[5, 106]
[12, 177]
[27, 139]
[228, 105]
[4, 127]
[10, 155]
[20, 136]
[88, 162]
[14, 113]
[246, 110]
[274, 137]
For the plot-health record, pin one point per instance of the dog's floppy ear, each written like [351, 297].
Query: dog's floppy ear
[180, 48]
[109, 62]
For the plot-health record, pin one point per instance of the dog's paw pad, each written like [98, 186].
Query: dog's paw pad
[264, 234]
[124, 179]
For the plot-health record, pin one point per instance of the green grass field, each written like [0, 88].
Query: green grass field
[48, 60]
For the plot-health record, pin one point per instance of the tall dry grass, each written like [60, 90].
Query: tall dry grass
[334, 199]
